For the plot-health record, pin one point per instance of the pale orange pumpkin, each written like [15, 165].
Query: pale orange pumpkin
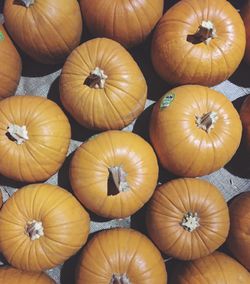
[10, 275]
[194, 130]
[10, 67]
[114, 173]
[34, 138]
[41, 226]
[187, 218]
[216, 268]
[198, 42]
[121, 256]
[128, 22]
[238, 239]
[101, 85]
[46, 30]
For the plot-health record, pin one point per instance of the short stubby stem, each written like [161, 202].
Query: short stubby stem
[119, 279]
[206, 121]
[206, 31]
[96, 79]
[27, 3]
[34, 229]
[17, 133]
[117, 180]
[190, 221]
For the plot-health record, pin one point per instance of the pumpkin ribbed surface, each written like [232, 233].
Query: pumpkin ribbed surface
[41, 226]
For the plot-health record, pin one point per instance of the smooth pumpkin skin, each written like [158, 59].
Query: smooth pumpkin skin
[167, 207]
[124, 94]
[65, 225]
[49, 133]
[216, 268]
[121, 251]
[46, 30]
[245, 14]
[179, 61]
[11, 65]
[245, 119]
[15, 276]
[185, 149]
[239, 239]
[127, 22]
[89, 173]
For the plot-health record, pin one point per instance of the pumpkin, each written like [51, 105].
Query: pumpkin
[245, 117]
[187, 218]
[120, 255]
[238, 239]
[41, 226]
[216, 268]
[11, 65]
[45, 30]
[114, 173]
[101, 85]
[15, 276]
[245, 14]
[194, 130]
[34, 138]
[128, 22]
[198, 42]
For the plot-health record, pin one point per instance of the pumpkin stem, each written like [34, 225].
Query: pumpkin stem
[190, 221]
[119, 279]
[34, 229]
[117, 181]
[27, 3]
[206, 121]
[17, 133]
[206, 31]
[96, 79]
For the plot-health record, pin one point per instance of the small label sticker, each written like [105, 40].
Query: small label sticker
[167, 100]
[1, 36]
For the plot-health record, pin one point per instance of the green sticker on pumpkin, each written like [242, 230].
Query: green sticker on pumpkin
[167, 100]
[1, 36]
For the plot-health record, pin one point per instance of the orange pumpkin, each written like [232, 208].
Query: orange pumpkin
[11, 65]
[216, 268]
[245, 119]
[128, 22]
[101, 85]
[198, 42]
[121, 256]
[34, 138]
[114, 173]
[245, 14]
[238, 238]
[46, 30]
[14, 276]
[187, 218]
[41, 226]
[194, 130]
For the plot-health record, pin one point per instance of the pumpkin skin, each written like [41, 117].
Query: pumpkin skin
[39, 157]
[181, 58]
[245, 14]
[117, 102]
[11, 65]
[15, 276]
[245, 118]
[173, 208]
[127, 22]
[177, 135]
[119, 157]
[46, 30]
[121, 252]
[65, 225]
[216, 268]
[238, 239]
